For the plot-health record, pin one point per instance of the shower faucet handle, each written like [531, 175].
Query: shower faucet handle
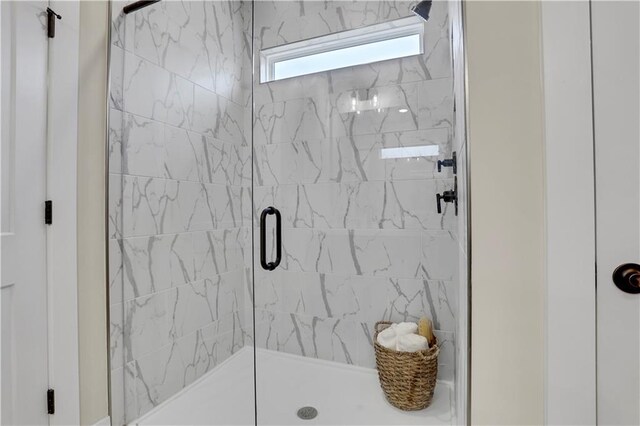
[449, 162]
[449, 196]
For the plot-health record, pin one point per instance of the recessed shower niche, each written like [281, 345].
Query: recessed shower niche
[260, 226]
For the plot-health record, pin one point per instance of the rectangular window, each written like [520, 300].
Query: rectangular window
[380, 42]
[410, 152]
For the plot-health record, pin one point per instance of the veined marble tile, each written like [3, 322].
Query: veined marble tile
[116, 205]
[359, 252]
[115, 140]
[226, 26]
[156, 263]
[435, 103]
[117, 77]
[408, 204]
[406, 299]
[152, 33]
[362, 298]
[153, 149]
[131, 411]
[219, 251]
[324, 338]
[160, 374]
[116, 277]
[403, 107]
[147, 324]
[116, 332]
[159, 206]
[147, 88]
[218, 117]
[184, 155]
[121, 25]
[355, 159]
[440, 256]
[196, 355]
[203, 302]
[143, 141]
[446, 358]
[117, 396]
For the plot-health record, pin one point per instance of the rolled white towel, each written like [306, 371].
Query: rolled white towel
[406, 328]
[387, 337]
[411, 343]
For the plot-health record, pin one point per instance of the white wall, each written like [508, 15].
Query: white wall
[570, 275]
[92, 297]
[507, 210]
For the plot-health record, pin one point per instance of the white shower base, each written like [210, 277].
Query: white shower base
[342, 394]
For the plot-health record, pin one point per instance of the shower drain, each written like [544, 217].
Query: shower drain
[307, 413]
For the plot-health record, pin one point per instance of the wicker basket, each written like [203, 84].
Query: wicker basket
[408, 379]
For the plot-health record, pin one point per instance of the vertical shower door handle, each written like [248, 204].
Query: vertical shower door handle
[270, 266]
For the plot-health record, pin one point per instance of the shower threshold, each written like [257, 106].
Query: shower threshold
[342, 395]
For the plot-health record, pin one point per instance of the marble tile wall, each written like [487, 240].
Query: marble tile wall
[179, 210]
[362, 240]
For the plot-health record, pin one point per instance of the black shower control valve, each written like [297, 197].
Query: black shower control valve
[447, 197]
[449, 162]
[450, 196]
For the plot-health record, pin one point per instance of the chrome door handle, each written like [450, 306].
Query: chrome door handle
[627, 278]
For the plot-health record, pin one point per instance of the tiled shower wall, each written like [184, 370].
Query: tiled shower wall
[180, 175]
[362, 240]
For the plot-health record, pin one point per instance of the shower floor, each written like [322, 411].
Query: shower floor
[342, 394]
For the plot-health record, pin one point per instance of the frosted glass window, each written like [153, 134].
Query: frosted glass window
[381, 42]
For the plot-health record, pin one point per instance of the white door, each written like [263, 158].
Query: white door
[23, 245]
[616, 92]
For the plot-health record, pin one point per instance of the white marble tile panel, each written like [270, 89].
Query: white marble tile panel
[116, 335]
[156, 263]
[147, 324]
[440, 256]
[116, 277]
[116, 205]
[435, 100]
[159, 375]
[115, 140]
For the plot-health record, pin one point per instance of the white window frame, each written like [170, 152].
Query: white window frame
[398, 28]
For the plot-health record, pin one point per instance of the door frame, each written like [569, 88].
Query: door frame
[61, 250]
[570, 287]
[62, 265]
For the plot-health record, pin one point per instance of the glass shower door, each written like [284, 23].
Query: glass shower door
[347, 166]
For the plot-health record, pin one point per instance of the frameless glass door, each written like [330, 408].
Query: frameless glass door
[358, 162]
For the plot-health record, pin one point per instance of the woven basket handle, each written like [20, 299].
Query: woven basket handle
[381, 325]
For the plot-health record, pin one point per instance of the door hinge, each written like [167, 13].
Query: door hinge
[51, 22]
[51, 401]
[48, 212]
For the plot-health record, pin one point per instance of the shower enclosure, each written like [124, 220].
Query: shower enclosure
[260, 223]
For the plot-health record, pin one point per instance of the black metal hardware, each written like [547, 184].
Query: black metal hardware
[627, 278]
[51, 22]
[448, 197]
[270, 266]
[450, 162]
[48, 212]
[51, 401]
[137, 6]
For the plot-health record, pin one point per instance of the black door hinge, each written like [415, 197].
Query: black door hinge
[48, 212]
[51, 401]
[51, 22]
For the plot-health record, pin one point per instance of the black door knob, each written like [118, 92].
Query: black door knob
[627, 278]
